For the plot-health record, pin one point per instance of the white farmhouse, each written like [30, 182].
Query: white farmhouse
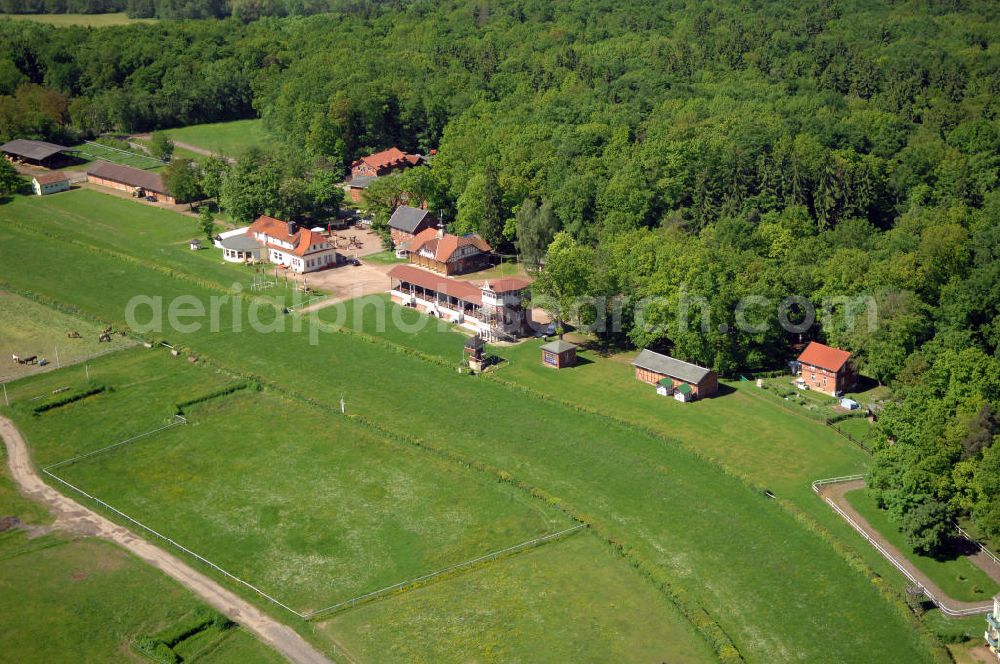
[299, 249]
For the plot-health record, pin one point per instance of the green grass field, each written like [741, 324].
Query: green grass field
[957, 576]
[228, 138]
[88, 153]
[314, 516]
[87, 20]
[80, 599]
[778, 590]
[571, 601]
[149, 235]
[28, 328]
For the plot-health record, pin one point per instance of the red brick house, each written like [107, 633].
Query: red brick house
[446, 253]
[385, 162]
[826, 369]
[670, 373]
[407, 222]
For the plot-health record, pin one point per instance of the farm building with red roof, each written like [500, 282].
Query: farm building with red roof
[826, 369]
[384, 162]
[298, 249]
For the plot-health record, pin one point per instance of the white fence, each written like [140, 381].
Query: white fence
[984, 608]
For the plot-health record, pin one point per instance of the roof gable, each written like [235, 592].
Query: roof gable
[409, 219]
[824, 357]
[301, 240]
[671, 366]
[134, 177]
[37, 150]
[50, 178]
[388, 159]
[508, 285]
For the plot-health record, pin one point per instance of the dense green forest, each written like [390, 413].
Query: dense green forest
[841, 151]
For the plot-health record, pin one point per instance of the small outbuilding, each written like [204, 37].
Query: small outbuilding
[558, 354]
[195, 244]
[680, 391]
[849, 404]
[49, 183]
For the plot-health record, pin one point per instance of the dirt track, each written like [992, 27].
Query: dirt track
[835, 493]
[73, 517]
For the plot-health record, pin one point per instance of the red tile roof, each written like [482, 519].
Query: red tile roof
[443, 247]
[278, 230]
[50, 178]
[824, 357]
[463, 290]
[508, 285]
[387, 159]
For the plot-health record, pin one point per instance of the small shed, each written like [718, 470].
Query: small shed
[683, 392]
[558, 354]
[665, 387]
[195, 244]
[849, 404]
[49, 183]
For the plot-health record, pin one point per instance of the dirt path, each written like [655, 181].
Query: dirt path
[179, 144]
[73, 517]
[835, 494]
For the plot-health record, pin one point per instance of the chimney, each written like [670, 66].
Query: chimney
[440, 232]
[293, 228]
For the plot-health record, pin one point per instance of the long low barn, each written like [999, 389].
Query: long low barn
[132, 180]
[656, 369]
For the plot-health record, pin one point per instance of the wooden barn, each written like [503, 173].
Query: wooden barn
[671, 374]
[827, 369]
